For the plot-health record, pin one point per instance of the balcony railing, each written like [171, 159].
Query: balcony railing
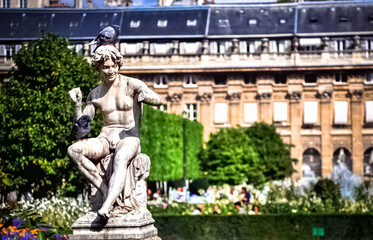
[203, 56]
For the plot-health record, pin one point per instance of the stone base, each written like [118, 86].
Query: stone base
[129, 226]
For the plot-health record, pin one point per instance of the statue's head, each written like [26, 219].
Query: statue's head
[104, 53]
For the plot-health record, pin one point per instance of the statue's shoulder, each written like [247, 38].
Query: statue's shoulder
[130, 81]
[93, 94]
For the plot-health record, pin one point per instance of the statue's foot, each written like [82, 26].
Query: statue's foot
[103, 214]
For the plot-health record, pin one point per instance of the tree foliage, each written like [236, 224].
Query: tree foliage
[162, 139]
[36, 114]
[256, 155]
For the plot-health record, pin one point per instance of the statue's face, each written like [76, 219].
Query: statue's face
[109, 71]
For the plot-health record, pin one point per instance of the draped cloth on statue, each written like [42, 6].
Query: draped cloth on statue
[133, 196]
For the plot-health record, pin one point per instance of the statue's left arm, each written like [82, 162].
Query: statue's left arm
[146, 95]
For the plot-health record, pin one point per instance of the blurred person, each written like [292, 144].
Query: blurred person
[245, 196]
[233, 195]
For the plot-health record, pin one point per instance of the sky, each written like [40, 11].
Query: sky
[101, 3]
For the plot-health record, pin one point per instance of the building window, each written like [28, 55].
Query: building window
[342, 156]
[104, 24]
[369, 112]
[280, 112]
[340, 112]
[368, 162]
[250, 112]
[160, 81]
[310, 78]
[252, 22]
[313, 20]
[311, 166]
[280, 78]
[42, 24]
[162, 107]
[340, 77]
[191, 110]
[191, 23]
[221, 113]
[369, 77]
[23, 3]
[135, 23]
[190, 81]
[250, 78]
[6, 3]
[74, 24]
[310, 112]
[220, 79]
[162, 23]
[223, 23]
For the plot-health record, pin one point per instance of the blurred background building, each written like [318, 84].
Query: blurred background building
[306, 67]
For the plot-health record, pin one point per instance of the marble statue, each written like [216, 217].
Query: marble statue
[113, 161]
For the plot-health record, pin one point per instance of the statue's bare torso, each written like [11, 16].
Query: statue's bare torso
[119, 98]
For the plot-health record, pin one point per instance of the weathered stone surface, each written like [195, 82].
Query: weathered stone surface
[134, 225]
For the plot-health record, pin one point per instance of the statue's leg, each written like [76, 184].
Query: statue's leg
[83, 153]
[126, 150]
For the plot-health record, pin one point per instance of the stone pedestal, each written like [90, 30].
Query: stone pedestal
[128, 226]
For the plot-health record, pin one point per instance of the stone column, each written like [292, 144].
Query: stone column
[175, 100]
[295, 107]
[326, 112]
[264, 95]
[357, 120]
[204, 113]
[234, 117]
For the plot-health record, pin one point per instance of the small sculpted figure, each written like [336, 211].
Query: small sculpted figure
[113, 162]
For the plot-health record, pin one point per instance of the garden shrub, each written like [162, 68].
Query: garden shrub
[268, 227]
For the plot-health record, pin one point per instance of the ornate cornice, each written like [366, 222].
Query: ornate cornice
[294, 96]
[233, 96]
[204, 97]
[264, 96]
[325, 95]
[356, 95]
[174, 98]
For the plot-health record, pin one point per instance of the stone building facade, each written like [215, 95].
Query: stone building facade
[307, 68]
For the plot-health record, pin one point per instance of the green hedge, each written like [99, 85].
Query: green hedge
[162, 140]
[268, 227]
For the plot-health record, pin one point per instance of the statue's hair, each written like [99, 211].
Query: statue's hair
[104, 53]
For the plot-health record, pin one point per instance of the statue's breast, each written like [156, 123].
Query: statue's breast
[124, 102]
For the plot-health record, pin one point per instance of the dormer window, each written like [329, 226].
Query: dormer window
[252, 22]
[14, 24]
[160, 81]
[104, 24]
[135, 23]
[162, 23]
[191, 23]
[223, 23]
[42, 24]
[74, 24]
[314, 20]
[343, 19]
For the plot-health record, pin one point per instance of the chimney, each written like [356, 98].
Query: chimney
[78, 3]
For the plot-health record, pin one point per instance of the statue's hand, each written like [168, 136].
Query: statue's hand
[76, 95]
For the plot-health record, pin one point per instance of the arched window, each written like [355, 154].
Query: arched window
[311, 163]
[368, 162]
[342, 155]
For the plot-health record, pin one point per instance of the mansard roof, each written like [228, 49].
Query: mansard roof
[209, 21]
